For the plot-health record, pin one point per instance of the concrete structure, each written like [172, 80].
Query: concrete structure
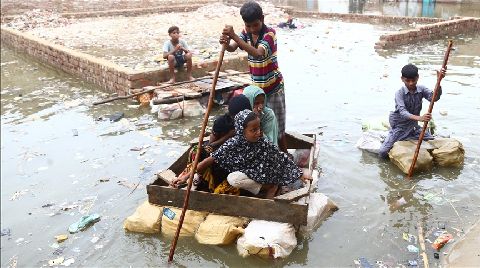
[429, 28]
[110, 76]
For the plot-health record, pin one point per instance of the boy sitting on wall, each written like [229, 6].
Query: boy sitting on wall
[176, 52]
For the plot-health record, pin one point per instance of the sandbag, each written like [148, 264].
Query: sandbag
[449, 152]
[188, 108]
[376, 124]
[146, 219]
[402, 155]
[190, 223]
[319, 208]
[371, 140]
[220, 230]
[267, 239]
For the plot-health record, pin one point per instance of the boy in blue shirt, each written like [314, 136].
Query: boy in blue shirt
[408, 104]
[173, 52]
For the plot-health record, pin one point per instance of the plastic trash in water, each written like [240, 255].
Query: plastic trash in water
[56, 262]
[412, 248]
[441, 241]
[61, 238]
[83, 223]
[169, 213]
[412, 263]
[410, 238]
[364, 263]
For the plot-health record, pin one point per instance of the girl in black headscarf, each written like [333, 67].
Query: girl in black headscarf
[252, 161]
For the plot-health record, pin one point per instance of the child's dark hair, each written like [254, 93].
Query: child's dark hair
[251, 11]
[410, 71]
[250, 117]
[238, 104]
[173, 28]
[222, 125]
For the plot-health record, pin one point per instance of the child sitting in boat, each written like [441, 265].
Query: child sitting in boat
[408, 104]
[268, 121]
[253, 162]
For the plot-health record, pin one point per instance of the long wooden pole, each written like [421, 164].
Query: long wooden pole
[199, 148]
[430, 108]
[160, 87]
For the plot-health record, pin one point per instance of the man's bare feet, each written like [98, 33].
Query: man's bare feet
[171, 81]
[190, 78]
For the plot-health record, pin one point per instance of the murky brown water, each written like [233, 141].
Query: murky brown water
[333, 81]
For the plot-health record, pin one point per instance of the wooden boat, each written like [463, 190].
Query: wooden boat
[289, 207]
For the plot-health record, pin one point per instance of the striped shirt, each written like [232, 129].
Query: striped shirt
[264, 70]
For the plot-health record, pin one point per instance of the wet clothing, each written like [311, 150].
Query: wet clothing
[261, 161]
[401, 126]
[179, 55]
[268, 120]
[264, 71]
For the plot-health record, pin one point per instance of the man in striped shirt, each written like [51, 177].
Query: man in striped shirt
[260, 42]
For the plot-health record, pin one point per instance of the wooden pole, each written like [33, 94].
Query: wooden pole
[160, 87]
[430, 108]
[199, 148]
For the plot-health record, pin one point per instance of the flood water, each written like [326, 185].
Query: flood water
[405, 8]
[57, 152]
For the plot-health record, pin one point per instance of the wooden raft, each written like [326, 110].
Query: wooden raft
[232, 80]
[283, 208]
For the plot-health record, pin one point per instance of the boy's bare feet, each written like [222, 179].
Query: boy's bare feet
[190, 78]
[171, 81]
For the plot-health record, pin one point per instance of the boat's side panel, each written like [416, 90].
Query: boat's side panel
[230, 205]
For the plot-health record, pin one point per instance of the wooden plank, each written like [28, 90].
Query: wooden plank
[294, 195]
[298, 141]
[241, 80]
[178, 166]
[230, 205]
[167, 176]
[212, 73]
[230, 71]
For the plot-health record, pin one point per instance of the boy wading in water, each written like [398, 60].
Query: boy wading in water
[408, 104]
[260, 42]
[176, 52]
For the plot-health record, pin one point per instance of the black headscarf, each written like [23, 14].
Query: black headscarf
[261, 161]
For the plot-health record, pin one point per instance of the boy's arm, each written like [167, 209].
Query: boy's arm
[218, 142]
[239, 42]
[230, 46]
[166, 51]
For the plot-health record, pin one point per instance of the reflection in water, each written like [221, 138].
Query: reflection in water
[356, 6]
[407, 8]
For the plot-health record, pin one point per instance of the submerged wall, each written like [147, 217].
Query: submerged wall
[430, 31]
[427, 28]
[108, 75]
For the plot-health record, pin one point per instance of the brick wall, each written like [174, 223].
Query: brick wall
[108, 75]
[131, 12]
[430, 28]
[12, 7]
[363, 18]
[430, 31]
